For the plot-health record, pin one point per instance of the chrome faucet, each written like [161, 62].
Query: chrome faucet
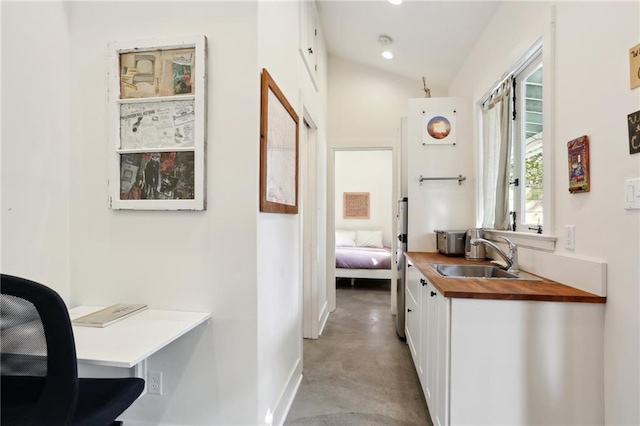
[511, 258]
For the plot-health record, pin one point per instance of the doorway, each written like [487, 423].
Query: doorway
[315, 306]
[367, 174]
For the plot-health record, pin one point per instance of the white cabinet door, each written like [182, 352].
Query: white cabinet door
[412, 314]
[524, 362]
[434, 355]
[440, 355]
[425, 332]
[312, 39]
[308, 43]
[471, 364]
[432, 348]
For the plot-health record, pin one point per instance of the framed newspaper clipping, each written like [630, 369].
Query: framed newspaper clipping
[157, 109]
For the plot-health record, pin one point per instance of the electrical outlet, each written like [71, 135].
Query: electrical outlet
[154, 382]
[570, 237]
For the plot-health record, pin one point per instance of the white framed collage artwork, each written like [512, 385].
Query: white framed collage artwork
[157, 111]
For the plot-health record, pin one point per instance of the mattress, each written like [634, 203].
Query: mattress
[363, 258]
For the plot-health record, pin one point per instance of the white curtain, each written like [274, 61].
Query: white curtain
[496, 150]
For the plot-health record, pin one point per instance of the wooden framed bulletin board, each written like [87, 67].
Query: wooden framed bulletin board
[278, 150]
[157, 110]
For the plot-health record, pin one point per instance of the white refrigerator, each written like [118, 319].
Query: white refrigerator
[401, 281]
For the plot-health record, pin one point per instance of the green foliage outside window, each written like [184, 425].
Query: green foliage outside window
[533, 174]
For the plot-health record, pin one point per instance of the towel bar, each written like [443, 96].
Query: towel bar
[459, 178]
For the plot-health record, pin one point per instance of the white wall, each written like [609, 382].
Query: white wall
[439, 204]
[365, 104]
[35, 147]
[592, 97]
[279, 310]
[279, 236]
[198, 261]
[230, 260]
[366, 171]
[364, 107]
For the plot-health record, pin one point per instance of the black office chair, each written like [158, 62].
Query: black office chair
[39, 383]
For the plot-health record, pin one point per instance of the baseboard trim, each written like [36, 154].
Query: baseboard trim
[324, 316]
[283, 405]
[280, 411]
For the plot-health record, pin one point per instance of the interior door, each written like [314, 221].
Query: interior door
[310, 262]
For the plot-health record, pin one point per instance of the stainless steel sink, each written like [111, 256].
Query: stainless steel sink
[479, 271]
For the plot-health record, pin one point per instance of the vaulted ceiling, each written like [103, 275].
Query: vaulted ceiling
[430, 38]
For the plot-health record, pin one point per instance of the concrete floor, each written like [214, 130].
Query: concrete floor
[358, 372]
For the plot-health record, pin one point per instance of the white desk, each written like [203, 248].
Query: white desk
[129, 342]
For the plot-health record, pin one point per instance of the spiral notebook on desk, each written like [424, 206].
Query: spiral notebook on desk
[109, 315]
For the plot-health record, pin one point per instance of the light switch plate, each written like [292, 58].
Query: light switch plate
[570, 237]
[632, 194]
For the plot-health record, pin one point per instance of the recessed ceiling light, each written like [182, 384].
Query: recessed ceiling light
[396, 2]
[385, 40]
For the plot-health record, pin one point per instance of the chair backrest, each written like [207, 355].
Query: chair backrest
[36, 343]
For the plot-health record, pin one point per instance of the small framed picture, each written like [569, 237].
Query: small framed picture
[634, 66]
[439, 129]
[355, 205]
[578, 150]
[633, 122]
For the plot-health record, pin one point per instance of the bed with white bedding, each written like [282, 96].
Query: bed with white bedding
[360, 254]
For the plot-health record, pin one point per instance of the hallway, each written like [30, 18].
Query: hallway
[359, 372]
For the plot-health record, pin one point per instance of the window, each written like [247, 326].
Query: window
[513, 158]
[526, 181]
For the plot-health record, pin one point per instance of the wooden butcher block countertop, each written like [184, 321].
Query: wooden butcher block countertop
[487, 288]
